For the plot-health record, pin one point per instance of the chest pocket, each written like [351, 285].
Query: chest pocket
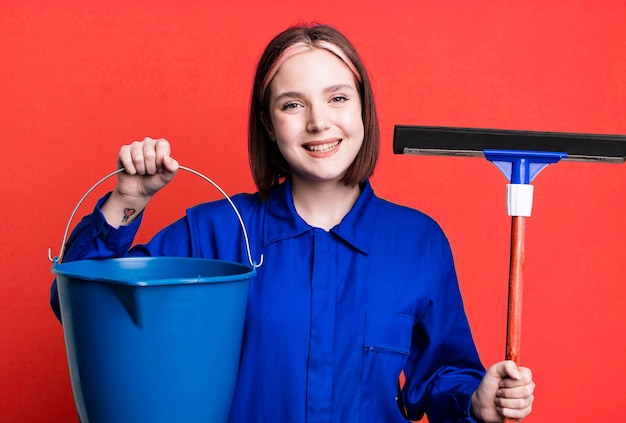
[386, 347]
[388, 331]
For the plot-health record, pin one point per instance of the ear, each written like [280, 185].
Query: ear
[268, 127]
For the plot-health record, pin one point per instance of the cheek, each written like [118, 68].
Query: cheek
[355, 122]
[285, 129]
[357, 127]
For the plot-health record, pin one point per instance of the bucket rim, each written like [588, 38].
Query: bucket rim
[69, 270]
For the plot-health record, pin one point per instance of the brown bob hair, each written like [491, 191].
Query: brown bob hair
[268, 165]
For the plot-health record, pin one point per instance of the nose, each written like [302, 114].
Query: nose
[318, 118]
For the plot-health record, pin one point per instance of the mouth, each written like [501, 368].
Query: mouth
[322, 147]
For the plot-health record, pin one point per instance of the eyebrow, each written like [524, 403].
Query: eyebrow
[331, 89]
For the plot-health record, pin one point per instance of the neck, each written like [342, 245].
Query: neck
[323, 205]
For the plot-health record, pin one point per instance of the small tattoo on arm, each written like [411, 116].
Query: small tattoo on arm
[127, 214]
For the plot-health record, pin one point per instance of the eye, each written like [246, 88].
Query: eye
[290, 105]
[338, 99]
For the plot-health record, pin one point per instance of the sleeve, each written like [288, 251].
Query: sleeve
[94, 238]
[443, 369]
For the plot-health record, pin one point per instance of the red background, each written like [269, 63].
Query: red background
[79, 79]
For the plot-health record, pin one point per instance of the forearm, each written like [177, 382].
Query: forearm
[95, 238]
[121, 210]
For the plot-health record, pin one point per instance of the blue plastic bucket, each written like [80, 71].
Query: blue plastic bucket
[153, 339]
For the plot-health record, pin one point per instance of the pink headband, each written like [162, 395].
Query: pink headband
[301, 48]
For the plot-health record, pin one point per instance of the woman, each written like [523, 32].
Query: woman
[353, 289]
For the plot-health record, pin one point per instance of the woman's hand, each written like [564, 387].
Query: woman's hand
[148, 167]
[505, 391]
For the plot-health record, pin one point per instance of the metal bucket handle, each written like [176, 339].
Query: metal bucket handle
[195, 172]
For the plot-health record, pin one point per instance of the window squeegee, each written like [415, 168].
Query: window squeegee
[520, 156]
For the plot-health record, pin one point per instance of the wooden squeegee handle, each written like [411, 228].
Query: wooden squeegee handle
[516, 276]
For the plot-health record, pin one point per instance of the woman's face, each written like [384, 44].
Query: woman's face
[315, 112]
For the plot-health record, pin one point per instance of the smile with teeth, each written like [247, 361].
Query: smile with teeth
[322, 148]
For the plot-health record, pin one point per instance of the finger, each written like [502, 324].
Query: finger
[137, 156]
[148, 153]
[515, 414]
[526, 373]
[162, 150]
[526, 378]
[522, 391]
[125, 160]
[170, 165]
[514, 408]
[505, 369]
